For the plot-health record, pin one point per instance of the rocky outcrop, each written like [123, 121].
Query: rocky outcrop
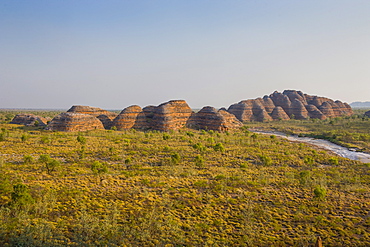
[127, 118]
[106, 117]
[367, 114]
[294, 104]
[209, 118]
[171, 115]
[243, 110]
[279, 114]
[70, 121]
[313, 112]
[297, 110]
[29, 120]
[144, 119]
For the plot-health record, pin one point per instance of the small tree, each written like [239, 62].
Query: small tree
[52, 165]
[44, 158]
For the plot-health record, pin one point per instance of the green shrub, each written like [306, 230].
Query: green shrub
[304, 177]
[166, 136]
[309, 160]
[319, 193]
[20, 195]
[2, 136]
[98, 168]
[199, 161]
[45, 139]
[175, 158]
[81, 139]
[27, 159]
[128, 161]
[219, 147]
[199, 146]
[5, 186]
[334, 161]
[24, 137]
[266, 160]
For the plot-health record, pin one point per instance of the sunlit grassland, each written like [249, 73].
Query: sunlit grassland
[183, 188]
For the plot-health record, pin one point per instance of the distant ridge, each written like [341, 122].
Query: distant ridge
[359, 104]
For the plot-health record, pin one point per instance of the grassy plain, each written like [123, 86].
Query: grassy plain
[183, 188]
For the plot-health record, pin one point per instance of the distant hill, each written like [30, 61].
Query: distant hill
[359, 104]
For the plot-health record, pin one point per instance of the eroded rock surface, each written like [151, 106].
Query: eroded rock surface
[292, 104]
[106, 117]
[71, 121]
[127, 118]
[171, 115]
[209, 118]
[29, 120]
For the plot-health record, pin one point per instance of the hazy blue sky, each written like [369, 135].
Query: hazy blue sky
[113, 54]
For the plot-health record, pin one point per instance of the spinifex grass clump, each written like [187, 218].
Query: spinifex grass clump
[196, 188]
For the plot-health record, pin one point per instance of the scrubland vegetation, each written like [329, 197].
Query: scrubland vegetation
[183, 188]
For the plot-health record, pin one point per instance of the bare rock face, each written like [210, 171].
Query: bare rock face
[268, 104]
[144, 119]
[127, 118]
[367, 114]
[295, 95]
[171, 115]
[29, 120]
[106, 117]
[70, 121]
[242, 110]
[293, 103]
[298, 110]
[279, 114]
[282, 100]
[313, 112]
[209, 118]
[259, 113]
[327, 109]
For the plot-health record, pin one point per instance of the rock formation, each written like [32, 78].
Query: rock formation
[145, 118]
[171, 115]
[209, 118]
[29, 120]
[289, 104]
[106, 117]
[279, 114]
[176, 114]
[313, 112]
[70, 121]
[127, 118]
[367, 114]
